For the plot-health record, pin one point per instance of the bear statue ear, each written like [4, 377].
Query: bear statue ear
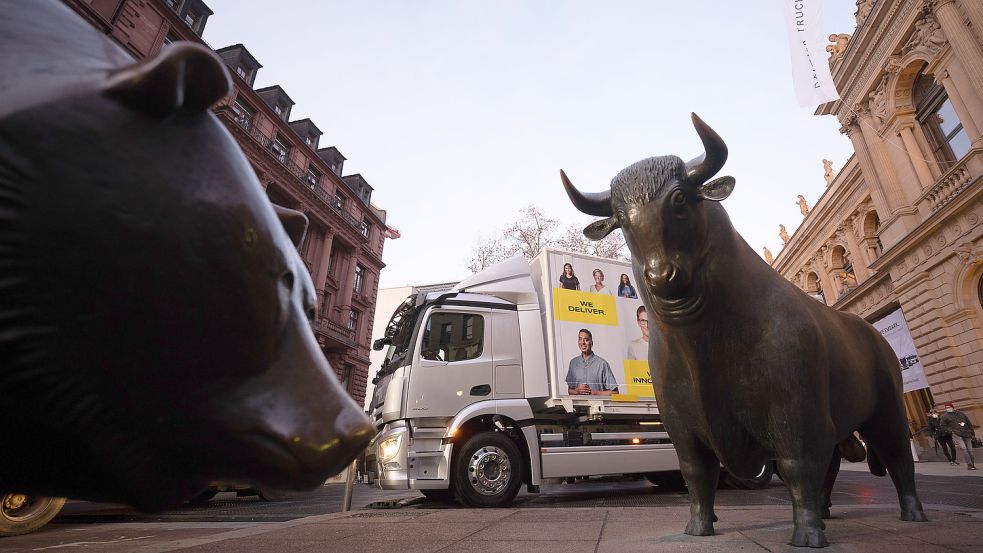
[599, 229]
[184, 77]
[294, 222]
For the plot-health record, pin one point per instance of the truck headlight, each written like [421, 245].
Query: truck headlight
[389, 448]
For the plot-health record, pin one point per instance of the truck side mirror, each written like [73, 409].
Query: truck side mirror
[381, 343]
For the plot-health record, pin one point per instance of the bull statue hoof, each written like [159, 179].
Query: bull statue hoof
[806, 536]
[913, 512]
[699, 527]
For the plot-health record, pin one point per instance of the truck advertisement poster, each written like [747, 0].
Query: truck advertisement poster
[601, 329]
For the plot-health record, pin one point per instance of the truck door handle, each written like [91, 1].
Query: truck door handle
[482, 390]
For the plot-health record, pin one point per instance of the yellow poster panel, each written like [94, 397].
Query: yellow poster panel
[638, 379]
[584, 307]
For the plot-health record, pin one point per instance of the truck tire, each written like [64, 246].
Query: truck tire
[668, 480]
[755, 483]
[488, 471]
[439, 496]
[22, 514]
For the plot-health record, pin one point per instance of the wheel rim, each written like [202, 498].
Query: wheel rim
[489, 470]
[21, 508]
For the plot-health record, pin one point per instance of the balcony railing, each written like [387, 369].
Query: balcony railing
[335, 332]
[297, 171]
[949, 186]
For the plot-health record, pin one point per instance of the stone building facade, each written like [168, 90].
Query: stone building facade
[899, 225]
[344, 243]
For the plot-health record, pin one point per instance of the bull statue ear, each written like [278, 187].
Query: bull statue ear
[184, 77]
[599, 229]
[717, 189]
[294, 222]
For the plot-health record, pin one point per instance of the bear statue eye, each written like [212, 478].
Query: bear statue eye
[677, 199]
[287, 279]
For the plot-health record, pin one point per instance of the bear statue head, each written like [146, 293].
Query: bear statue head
[154, 311]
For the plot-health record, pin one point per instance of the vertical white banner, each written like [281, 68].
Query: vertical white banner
[895, 330]
[810, 62]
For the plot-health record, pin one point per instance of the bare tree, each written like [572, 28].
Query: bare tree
[487, 252]
[611, 246]
[532, 231]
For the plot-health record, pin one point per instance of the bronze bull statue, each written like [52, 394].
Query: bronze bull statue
[154, 312]
[748, 368]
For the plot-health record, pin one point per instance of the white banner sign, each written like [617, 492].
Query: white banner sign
[810, 66]
[895, 330]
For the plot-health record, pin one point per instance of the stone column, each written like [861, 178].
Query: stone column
[324, 261]
[964, 45]
[915, 155]
[962, 110]
[856, 254]
[974, 9]
[888, 178]
[347, 285]
[852, 129]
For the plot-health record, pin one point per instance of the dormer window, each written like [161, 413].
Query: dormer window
[191, 18]
[278, 110]
[242, 73]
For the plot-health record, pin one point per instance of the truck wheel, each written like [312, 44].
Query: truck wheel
[669, 480]
[755, 483]
[21, 514]
[439, 496]
[488, 472]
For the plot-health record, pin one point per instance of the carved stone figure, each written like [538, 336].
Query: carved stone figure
[803, 206]
[783, 234]
[154, 331]
[863, 10]
[828, 172]
[877, 100]
[709, 291]
[838, 47]
[768, 257]
[927, 36]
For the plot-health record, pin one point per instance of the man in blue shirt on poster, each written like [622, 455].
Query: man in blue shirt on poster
[589, 374]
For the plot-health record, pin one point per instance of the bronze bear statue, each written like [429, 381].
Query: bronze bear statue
[154, 312]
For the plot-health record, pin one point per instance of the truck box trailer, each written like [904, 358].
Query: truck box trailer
[514, 376]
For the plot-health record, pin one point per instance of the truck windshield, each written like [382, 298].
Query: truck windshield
[399, 334]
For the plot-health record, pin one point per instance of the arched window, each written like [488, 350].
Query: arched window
[872, 242]
[843, 267]
[935, 113]
[814, 287]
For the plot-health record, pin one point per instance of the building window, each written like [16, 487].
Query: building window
[278, 110]
[243, 114]
[339, 202]
[242, 73]
[281, 150]
[938, 119]
[815, 288]
[353, 320]
[313, 177]
[364, 228]
[359, 278]
[191, 18]
[170, 39]
[173, 4]
[346, 375]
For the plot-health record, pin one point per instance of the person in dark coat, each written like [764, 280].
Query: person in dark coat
[960, 426]
[943, 437]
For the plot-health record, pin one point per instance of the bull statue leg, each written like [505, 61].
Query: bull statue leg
[804, 475]
[831, 472]
[701, 470]
[887, 437]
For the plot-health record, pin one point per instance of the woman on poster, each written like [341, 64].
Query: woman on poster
[625, 289]
[567, 280]
[598, 287]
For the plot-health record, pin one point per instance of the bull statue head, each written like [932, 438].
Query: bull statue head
[658, 204]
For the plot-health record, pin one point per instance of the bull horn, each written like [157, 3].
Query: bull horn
[701, 168]
[597, 204]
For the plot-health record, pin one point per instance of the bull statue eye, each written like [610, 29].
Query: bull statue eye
[677, 199]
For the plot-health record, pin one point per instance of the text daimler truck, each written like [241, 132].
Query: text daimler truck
[527, 371]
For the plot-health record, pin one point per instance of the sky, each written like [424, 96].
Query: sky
[461, 113]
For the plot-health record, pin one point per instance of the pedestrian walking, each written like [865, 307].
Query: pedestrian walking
[959, 425]
[941, 436]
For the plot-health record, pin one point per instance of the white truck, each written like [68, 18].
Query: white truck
[515, 376]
